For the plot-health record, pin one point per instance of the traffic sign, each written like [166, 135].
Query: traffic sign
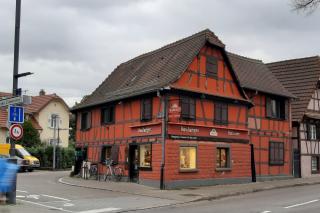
[16, 131]
[16, 114]
[10, 101]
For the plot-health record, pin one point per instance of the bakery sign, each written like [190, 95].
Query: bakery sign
[144, 130]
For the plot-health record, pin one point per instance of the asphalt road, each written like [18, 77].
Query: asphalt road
[304, 199]
[41, 192]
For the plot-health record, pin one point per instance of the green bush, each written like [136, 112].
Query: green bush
[64, 156]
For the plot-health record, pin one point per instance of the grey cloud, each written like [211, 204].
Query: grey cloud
[84, 40]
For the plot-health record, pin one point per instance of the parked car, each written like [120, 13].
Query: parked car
[21, 152]
[24, 165]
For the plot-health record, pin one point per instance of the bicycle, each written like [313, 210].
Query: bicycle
[93, 171]
[115, 173]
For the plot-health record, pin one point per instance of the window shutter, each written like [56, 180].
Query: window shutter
[49, 120]
[192, 108]
[147, 108]
[268, 107]
[308, 131]
[111, 114]
[184, 107]
[224, 113]
[212, 66]
[318, 131]
[115, 153]
[88, 120]
[286, 109]
[217, 113]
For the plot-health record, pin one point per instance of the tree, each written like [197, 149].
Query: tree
[305, 5]
[31, 136]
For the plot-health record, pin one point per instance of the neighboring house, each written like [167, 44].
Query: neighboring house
[178, 116]
[301, 77]
[269, 120]
[45, 113]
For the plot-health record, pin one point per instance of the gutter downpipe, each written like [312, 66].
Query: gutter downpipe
[164, 116]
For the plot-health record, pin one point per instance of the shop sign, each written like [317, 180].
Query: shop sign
[213, 132]
[189, 129]
[145, 130]
[174, 111]
[233, 133]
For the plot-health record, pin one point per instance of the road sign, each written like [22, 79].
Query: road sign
[10, 101]
[16, 131]
[16, 114]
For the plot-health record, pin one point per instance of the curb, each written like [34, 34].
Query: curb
[209, 198]
[204, 198]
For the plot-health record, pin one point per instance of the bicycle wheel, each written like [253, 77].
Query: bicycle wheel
[93, 171]
[118, 173]
[107, 175]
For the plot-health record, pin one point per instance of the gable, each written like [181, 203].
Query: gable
[196, 77]
[314, 103]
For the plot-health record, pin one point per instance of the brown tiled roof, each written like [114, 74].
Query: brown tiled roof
[37, 104]
[300, 76]
[254, 74]
[150, 71]
[3, 117]
[5, 94]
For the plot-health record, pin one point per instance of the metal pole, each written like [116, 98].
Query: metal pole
[16, 48]
[164, 135]
[12, 194]
[54, 142]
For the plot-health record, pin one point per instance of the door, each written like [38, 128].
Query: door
[296, 163]
[133, 162]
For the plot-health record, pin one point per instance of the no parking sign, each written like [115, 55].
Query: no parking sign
[16, 131]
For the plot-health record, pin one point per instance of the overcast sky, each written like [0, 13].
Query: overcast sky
[71, 46]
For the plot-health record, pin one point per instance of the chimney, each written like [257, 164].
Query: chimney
[42, 92]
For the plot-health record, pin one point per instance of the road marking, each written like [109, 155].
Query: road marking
[20, 196]
[300, 204]
[100, 210]
[36, 197]
[266, 212]
[68, 204]
[22, 191]
[59, 198]
[50, 207]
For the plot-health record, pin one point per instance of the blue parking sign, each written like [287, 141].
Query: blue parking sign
[16, 114]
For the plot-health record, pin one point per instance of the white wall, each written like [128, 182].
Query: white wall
[315, 104]
[54, 107]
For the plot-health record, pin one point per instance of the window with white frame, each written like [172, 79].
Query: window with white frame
[313, 131]
[54, 121]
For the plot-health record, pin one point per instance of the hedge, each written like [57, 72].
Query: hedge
[64, 156]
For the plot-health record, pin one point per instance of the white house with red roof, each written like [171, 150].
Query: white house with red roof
[45, 113]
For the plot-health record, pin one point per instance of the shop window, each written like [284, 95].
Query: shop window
[146, 109]
[188, 108]
[223, 158]
[105, 153]
[315, 164]
[85, 120]
[145, 158]
[221, 113]
[188, 158]
[276, 153]
[212, 67]
[276, 108]
[107, 115]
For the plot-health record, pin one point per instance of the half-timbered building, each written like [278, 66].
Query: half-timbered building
[178, 116]
[269, 121]
[301, 77]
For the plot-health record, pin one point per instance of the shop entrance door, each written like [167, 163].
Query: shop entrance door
[133, 162]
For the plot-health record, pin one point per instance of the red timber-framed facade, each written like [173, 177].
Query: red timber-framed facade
[175, 117]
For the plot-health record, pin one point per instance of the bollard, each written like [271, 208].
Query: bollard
[11, 196]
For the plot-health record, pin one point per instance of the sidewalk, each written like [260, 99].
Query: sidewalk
[189, 194]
